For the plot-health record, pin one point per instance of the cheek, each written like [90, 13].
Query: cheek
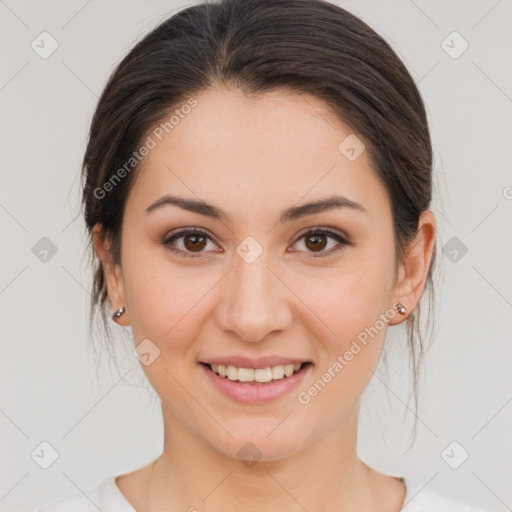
[352, 301]
[163, 297]
[353, 309]
[349, 297]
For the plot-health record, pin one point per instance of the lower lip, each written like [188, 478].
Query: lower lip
[255, 392]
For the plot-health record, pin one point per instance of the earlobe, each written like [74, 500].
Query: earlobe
[415, 268]
[113, 276]
[120, 315]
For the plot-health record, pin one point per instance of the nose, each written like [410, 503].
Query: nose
[254, 301]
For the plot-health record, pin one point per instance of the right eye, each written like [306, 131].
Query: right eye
[193, 242]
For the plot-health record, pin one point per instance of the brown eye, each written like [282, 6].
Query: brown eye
[316, 242]
[194, 242]
[191, 242]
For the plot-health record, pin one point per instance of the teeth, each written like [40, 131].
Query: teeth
[256, 375]
[277, 372]
[263, 375]
[245, 374]
[288, 370]
[232, 373]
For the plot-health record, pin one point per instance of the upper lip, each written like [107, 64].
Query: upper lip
[260, 362]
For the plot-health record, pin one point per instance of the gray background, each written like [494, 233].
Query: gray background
[103, 423]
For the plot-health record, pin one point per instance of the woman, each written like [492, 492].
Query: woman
[257, 185]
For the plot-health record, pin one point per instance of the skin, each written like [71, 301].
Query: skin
[254, 157]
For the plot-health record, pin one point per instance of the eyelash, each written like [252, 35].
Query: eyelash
[315, 231]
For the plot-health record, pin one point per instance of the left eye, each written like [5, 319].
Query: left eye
[193, 242]
[317, 241]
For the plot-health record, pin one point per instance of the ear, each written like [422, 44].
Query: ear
[112, 272]
[413, 272]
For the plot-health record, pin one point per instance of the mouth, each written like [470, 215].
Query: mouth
[257, 376]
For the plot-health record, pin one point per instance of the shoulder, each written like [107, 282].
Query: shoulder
[105, 497]
[421, 499]
[108, 498]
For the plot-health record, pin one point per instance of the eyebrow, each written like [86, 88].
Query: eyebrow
[293, 213]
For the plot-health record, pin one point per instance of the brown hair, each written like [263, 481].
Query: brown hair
[310, 46]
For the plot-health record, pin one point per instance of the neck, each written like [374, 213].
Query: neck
[191, 474]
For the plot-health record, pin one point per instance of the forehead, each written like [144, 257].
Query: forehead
[249, 153]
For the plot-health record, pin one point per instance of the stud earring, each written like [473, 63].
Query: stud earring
[118, 313]
[401, 308]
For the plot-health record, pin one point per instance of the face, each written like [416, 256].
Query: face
[315, 286]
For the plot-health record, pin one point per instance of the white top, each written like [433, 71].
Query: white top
[107, 497]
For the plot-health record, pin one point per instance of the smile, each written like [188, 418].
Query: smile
[259, 375]
[253, 385]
